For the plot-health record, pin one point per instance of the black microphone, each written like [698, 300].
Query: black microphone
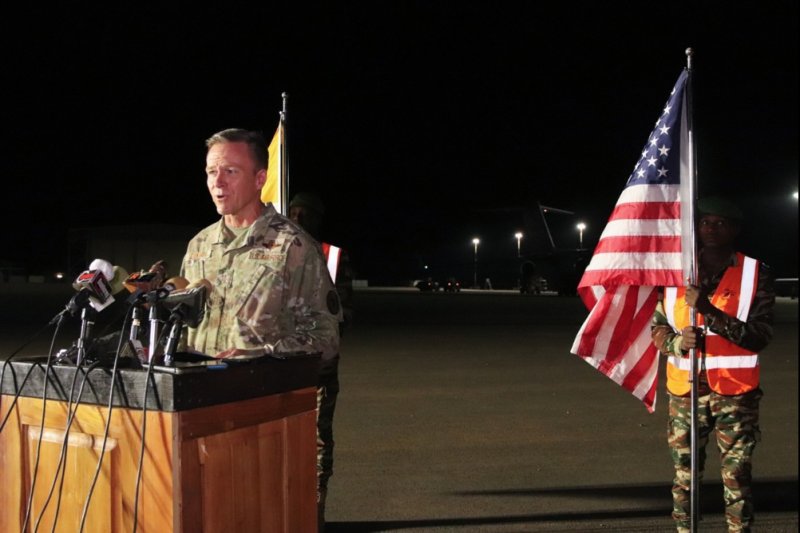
[188, 303]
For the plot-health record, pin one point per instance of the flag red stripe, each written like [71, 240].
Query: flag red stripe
[620, 338]
[640, 323]
[647, 211]
[594, 324]
[639, 372]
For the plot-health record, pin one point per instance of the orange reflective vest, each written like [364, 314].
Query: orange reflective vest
[332, 255]
[730, 369]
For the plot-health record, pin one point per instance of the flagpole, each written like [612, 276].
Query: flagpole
[284, 170]
[694, 492]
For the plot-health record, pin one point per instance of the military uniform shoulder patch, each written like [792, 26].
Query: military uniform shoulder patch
[333, 302]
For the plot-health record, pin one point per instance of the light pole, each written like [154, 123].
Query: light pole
[518, 235]
[581, 226]
[475, 242]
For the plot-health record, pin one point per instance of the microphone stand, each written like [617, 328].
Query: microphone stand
[86, 328]
[152, 298]
[177, 319]
[136, 321]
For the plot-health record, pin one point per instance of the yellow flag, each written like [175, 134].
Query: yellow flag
[273, 187]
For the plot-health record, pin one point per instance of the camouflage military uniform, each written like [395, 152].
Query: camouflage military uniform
[271, 290]
[733, 418]
[328, 388]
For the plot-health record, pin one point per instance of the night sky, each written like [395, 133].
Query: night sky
[420, 125]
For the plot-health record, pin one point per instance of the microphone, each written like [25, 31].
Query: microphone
[201, 283]
[96, 285]
[188, 304]
[117, 279]
[103, 266]
[176, 283]
[147, 280]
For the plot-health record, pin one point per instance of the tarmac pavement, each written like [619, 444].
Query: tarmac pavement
[466, 412]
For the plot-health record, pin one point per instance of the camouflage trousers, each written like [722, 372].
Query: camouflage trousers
[734, 419]
[327, 391]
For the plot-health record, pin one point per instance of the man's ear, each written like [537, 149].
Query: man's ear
[261, 178]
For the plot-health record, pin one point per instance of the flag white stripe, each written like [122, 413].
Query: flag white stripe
[639, 346]
[635, 261]
[649, 193]
[626, 227]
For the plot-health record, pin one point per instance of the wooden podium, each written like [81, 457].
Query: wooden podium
[231, 450]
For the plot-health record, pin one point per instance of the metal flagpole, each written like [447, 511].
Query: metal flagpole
[284, 170]
[694, 494]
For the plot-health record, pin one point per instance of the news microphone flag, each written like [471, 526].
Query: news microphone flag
[644, 245]
[272, 192]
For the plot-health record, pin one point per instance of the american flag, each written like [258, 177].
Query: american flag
[641, 248]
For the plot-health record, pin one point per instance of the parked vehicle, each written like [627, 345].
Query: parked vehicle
[452, 285]
[427, 285]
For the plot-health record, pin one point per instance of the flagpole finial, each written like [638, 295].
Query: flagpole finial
[689, 55]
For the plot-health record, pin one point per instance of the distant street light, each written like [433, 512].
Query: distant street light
[475, 242]
[794, 195]
[518, 235]
[581, 226]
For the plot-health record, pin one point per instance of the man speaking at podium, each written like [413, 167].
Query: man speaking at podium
[271, 291]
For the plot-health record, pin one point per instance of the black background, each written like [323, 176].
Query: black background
[420, 124]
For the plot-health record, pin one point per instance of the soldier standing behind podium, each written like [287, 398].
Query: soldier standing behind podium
[271, 290]
[308, 210]
[734, 299]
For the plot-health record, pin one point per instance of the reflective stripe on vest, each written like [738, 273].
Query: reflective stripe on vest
[728, 361]
[332, 255]
[730, 369]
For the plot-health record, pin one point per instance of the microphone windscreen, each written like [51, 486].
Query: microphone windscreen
[103, 266]
[118, 280]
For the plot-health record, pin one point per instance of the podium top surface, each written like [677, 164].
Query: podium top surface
[167, 389]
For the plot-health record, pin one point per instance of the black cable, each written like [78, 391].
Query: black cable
[41, 426]
[80, 394]
[143, 429]
[108, 425]
[61, 467]
[7, 362]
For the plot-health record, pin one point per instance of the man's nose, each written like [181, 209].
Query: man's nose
[219, 178]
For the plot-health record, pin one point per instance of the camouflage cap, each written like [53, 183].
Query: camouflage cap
[309, 201]
[721, 207]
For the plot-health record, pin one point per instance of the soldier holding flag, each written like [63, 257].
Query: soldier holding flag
[734, 299]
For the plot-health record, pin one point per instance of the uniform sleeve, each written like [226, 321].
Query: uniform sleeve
[756, 333]
[665, 338]
[312, 311]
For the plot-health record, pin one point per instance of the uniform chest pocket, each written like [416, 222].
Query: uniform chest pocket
[195, 266]
[258, 294]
